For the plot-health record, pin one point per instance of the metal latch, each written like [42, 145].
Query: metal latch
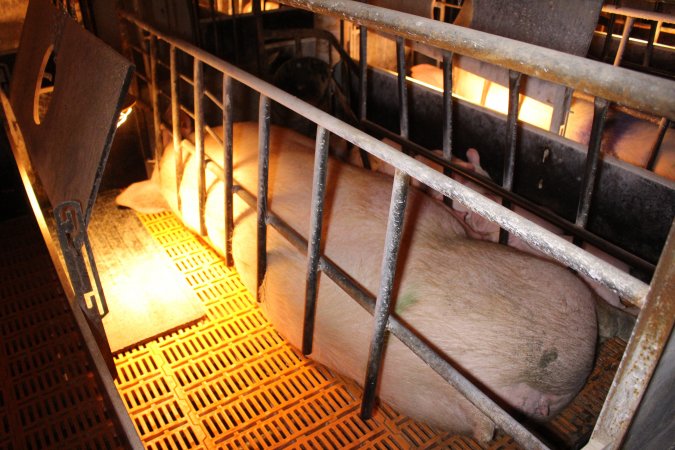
[84, 278]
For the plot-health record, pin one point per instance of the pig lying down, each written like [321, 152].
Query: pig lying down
[521, 327]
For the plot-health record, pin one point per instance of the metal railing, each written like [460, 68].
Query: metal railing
[592, 77]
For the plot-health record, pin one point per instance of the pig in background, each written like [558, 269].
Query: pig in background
[625, 137]
[521, 327]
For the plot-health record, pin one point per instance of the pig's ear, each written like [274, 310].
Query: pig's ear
[144, 197]
[474, 158]
[480, 225]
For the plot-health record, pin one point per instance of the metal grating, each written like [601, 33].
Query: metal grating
[232, 382]
[49, 397]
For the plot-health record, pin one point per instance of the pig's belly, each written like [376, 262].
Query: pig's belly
[521, 326]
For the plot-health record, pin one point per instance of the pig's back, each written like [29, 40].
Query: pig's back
[521, 326]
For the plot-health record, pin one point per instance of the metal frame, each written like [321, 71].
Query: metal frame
[607, 83]
[630, 14]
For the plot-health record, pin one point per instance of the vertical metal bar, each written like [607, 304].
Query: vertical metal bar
[262, 65]
[227, 167]
[608, 38]
[402, 88]
[664, 124]
[214, 25]
[657, 34]
[447, 115]
[399, 199]
[199, 141]
[154, 99]
[175, 124]
[627, 27]
[316, 221]
[650, 335]
[363, 72]
[447, 106]
[235, 29]
[592, 157]
[363, 86]
[511, 143]
[646, 60]
[263, 172]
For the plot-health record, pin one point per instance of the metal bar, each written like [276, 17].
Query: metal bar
[228, 137]
[187, 79]
[199, 142]
[447, 106]
[392, 241]
[608, 37]
[363, 86]
[650, 335]
[213, 98]
[639, 13]
[214, 27]
[154, 99]
[423, 350]
[636, 90]
[646, 60]
[592, 158]
[447, 116]
[260, 38]
[627, 27]
[630, 288]
[656, 147]
[511, 144]
[316, 222]
[402, 88]
[214, 135]
[659, 28]
[263, 172]
[363, 72]
[175, 125]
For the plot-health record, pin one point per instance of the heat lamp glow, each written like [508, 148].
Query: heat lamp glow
[480, 91]
[124, 114]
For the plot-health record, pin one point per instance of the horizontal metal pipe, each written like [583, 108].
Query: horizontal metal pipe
[629, 88]
[639, 13]
[628, 287]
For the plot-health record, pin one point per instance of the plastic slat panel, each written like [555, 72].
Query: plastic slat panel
[232, 382]
[48, 395]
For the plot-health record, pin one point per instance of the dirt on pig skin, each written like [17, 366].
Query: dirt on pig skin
[522, 327]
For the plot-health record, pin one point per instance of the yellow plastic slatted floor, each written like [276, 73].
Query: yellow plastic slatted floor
[232, 382]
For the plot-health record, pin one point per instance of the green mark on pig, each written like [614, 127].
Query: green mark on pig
[548, 357]
[404, 301]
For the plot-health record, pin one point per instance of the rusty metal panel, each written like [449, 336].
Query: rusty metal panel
[564, 26]
[68, 146]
